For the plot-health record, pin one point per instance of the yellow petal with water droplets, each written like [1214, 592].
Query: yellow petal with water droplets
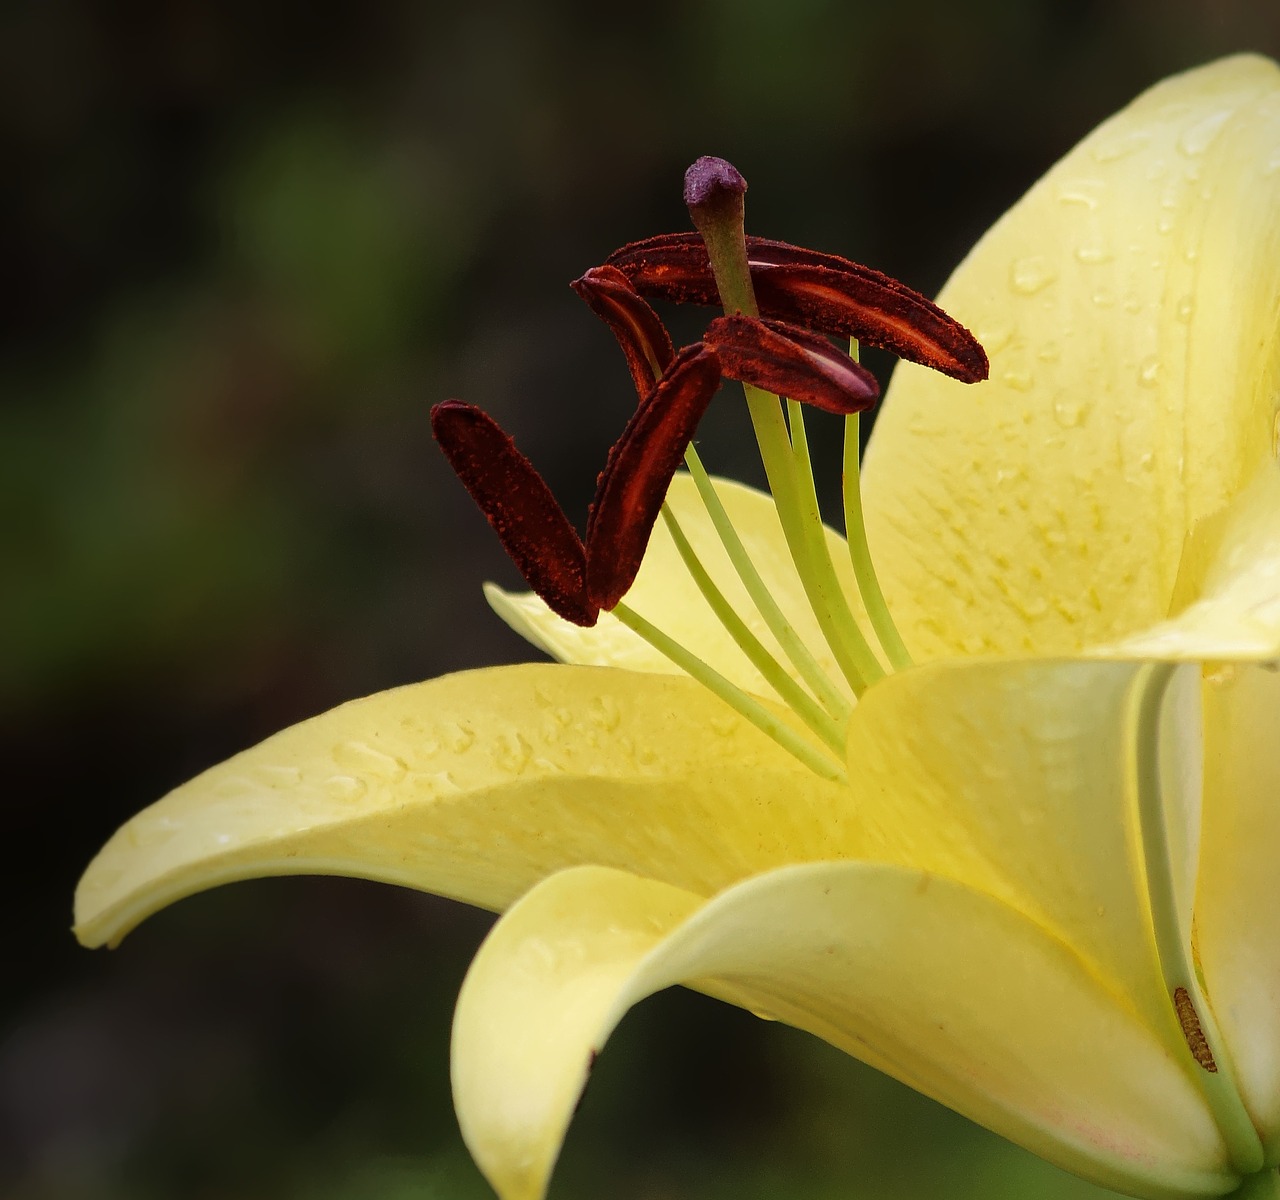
[1228, 594]
[1014, 777]
[1238, 898]
[476, 786]
[1128, 303]
[666, 595]
[951, 991]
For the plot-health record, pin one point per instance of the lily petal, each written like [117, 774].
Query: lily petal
[476, 786]
[1013, 777]
[1238, 897]
[1128, 303]
[665, 594]
[953, 992]
[1228, 592]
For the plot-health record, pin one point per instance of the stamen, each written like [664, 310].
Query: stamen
[863, 656]
[790, 361]
[793, 490]
[640, 332]
[639, 469]
[822, 292]
[788, 690]
[746, 706]
[792, 645]
[524, 514]
[855, 532]
[1173, 942]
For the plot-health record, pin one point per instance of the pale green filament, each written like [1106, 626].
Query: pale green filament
[788, 690]
[806, 539]
[792, 488]
[860, 553]
[746, 706]
[792, 646]
[868, 665]
[1173, 942]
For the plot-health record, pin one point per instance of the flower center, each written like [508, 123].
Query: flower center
[784, 360]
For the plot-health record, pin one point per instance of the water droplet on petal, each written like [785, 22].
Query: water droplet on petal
[1149, 372]
[1084, 192]
[1200, 136]
[364, 759]
[1093, 255]
[1186, 307]
[1031, 274]
[1069, 413]
[1019, 380]
[1120, 146]
[344, 788]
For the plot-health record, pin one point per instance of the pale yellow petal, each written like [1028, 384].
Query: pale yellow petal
[951, 991]
[541, 996]
[1238, 898]
[476, 786]
[1228, 594]
[1014, 777]
[667, 596]
[1128, 303]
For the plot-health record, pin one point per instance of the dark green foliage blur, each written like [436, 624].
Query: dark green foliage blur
[245, 246]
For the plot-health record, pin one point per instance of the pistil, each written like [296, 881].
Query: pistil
[1190, 1008]
[714, 195]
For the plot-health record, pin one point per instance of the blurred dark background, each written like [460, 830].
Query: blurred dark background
[245, 245]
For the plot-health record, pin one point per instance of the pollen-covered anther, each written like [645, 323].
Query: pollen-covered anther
[1192, 1030]
[640, 332]
[790, 361]
[639, 469]
[530, 524]
[821, 292]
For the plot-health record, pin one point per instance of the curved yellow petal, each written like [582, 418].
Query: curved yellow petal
[1238, 897]
[476, 786]
[949, 990]
[1014, 778]
[666, 595]
[545, 990]
[1128, 303]
[1228, 597]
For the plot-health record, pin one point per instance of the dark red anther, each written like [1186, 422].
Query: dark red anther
[639, 330]
[635, 479]
[524, 514]
[790, 361]
[822, 292]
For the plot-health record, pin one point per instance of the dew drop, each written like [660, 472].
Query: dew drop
[1084, 192]
[1120, 146]
[1220, 675]
[1200, 136]
[1031, 274]
[724, 725]
[1164, 225]
[346, 789]
[1050, 352]
[1186, 307]
[363, 759]
[458, 738]
[1020, 381]
[1149, 372]
[1093, 255]
[605, 713]
[1069, 413]
[1103, 298]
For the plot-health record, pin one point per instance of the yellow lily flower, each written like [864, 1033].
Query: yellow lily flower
[1040, 886]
